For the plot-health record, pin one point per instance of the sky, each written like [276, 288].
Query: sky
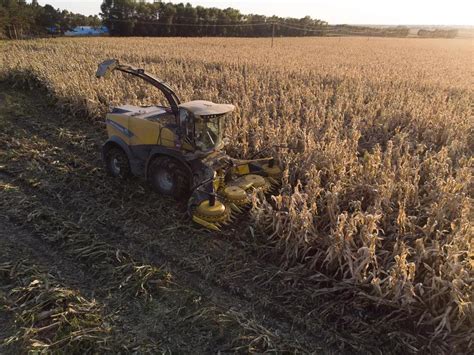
[375, 12]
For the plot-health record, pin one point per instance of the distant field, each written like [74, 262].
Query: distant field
[372, 226]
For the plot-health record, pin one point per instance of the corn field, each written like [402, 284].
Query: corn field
[378, 196]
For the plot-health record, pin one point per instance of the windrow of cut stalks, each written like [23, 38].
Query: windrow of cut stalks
[378, 194]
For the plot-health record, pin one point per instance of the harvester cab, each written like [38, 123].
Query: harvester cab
[203, 123]
[179, 148]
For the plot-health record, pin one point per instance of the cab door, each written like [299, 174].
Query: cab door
[186, 123]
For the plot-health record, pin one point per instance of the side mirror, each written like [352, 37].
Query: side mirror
[106, 67]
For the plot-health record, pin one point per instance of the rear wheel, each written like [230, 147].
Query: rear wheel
[116, 163]
[169, 177]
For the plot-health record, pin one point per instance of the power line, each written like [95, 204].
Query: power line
[299, 28]
[268, 23]
[322, 30]
[190, 24]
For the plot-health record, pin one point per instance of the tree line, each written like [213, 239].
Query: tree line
[140, 18]
[438, 33]
[19, 19]
[367, 31]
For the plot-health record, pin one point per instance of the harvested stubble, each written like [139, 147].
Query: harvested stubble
[117, 268]
[50, 316]
[380, 198]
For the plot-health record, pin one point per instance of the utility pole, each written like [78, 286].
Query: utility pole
[273, 32]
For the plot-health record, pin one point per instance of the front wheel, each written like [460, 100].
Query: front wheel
[169, 177]
[116, 163]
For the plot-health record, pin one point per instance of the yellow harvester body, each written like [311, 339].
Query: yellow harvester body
[180, 149]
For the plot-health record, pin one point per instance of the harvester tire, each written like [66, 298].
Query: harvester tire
[116, 163]
[169, 177]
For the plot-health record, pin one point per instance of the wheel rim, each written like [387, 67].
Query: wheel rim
[164, 180]
[116, 166]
